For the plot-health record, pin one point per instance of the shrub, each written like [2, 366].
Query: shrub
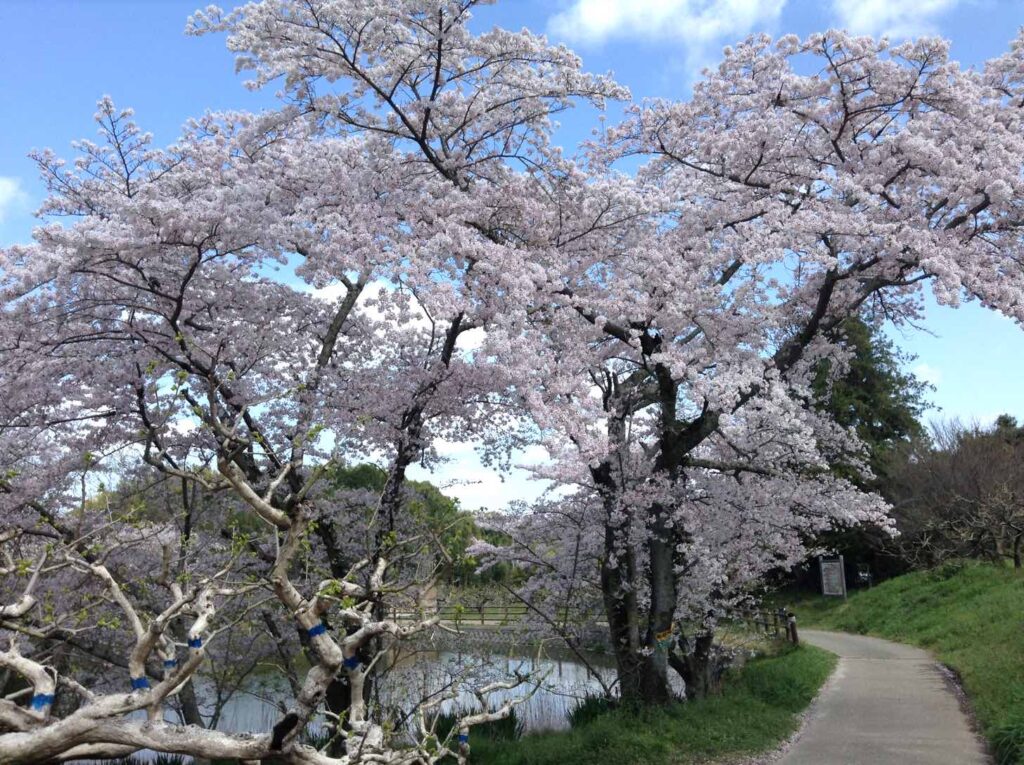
[588, 709]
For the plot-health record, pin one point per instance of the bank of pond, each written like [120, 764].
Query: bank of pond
[566, 721]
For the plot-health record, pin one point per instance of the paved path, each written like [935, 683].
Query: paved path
[886, 704]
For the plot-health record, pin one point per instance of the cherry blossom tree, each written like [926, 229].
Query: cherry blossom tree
[149, 300]
[242, 309]
[780, 203]
[399, 254]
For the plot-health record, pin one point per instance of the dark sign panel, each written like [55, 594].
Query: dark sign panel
[833, 577]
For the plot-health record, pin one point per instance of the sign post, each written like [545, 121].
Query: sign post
[833, 577]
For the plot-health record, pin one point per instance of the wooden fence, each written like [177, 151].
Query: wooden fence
[778, 623]
[469, 615]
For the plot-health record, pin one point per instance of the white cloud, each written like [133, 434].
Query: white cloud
[463, 475]
[13, 198]
[894, 18]
[697, 23]
[927, 373]
[477, 486]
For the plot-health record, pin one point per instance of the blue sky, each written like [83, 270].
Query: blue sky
[57, 57]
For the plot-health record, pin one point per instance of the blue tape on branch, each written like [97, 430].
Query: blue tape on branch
[170, 663]
[318, 629]
[463, 738]
[195, 642]
[138, 683]
[42, 700]
[351, 662]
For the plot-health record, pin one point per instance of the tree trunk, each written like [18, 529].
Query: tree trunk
[338, 696]
[338, 699]
[623, 622]
[641, 659]
[697, 667]
[190, 713]
[662, 582]
[189, 706]
[643, 676]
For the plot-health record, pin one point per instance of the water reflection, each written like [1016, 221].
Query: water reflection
[423, 672]
[418, 672]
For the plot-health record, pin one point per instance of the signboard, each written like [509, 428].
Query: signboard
[833, 577]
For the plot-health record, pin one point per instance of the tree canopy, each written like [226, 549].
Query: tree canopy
[399, 256]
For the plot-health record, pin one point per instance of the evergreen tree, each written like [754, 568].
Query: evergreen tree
[883, 401]
[877, 396]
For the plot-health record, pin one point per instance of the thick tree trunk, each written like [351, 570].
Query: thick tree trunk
[619, 582]
[338, 699]
[641, 654]
[697, 667]
[189, 706]
[190, 713]
[660, 627]
[643, 675]
[664, 537]
[187, 695]
[623, 619]
[642, 680]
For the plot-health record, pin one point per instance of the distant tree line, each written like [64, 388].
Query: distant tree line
[960, 494]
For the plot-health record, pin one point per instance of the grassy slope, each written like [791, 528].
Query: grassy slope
[757, 710]
[971, 616]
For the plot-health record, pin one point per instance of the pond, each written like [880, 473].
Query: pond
[558, 679]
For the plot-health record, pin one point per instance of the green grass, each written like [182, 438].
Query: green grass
[970, 615]
[758, 709]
